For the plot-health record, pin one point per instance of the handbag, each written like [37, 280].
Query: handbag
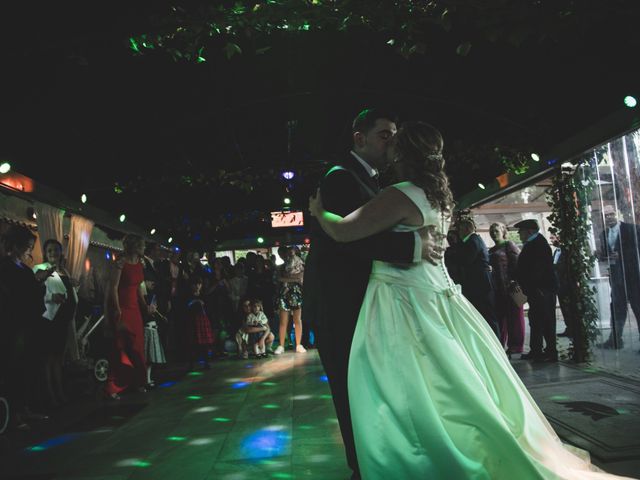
[517, 295]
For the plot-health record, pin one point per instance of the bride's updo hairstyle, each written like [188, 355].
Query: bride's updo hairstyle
[419, 149]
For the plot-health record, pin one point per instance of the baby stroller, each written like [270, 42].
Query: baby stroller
[93, 344]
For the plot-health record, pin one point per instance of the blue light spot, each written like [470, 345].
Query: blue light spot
[240, 385]
[167, 384]
[250, 365]
[265, 443]
[53, 442]
[324, 378]
[108, 255]
[552, 161]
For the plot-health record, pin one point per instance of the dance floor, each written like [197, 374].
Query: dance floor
[243, 419]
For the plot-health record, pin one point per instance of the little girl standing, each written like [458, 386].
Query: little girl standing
[199, 336]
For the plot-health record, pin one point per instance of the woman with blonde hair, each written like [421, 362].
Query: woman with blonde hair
[504, 261]
[124, 305]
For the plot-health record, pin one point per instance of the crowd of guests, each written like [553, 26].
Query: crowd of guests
[157, 307]
[490, 277]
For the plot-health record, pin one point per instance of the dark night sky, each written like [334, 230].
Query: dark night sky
[80, 112]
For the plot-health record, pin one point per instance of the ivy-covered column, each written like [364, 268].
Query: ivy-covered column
[569, 198]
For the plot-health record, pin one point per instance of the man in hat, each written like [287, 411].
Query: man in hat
[619, 245]
[537, 280]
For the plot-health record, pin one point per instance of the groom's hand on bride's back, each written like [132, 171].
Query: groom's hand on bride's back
[432, 244]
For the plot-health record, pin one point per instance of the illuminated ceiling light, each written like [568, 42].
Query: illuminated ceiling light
[83, 198]
[287, 201]
[153, 231]
[5, 167]
[123, 217]
[34, 215]
[288, 174]
[260, 240]
[535, 157]
[481, 185]
[171, 240]
[630, 101]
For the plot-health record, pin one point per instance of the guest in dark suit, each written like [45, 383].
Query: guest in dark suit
[620, 246]
[538, 282]
[451, 259]
[475, 272]
[336, 274]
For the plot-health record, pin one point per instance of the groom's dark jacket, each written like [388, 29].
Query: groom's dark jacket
[336, 274]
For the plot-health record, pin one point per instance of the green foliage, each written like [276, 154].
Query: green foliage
[513, 160]
[569, 198]
[186, 27]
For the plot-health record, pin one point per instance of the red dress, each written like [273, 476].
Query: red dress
[127, 363]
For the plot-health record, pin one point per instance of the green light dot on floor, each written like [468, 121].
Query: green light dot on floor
[177, 439]
[270, 405]
[142, 464]
[221, 419]
[268, 384]
[281, 475]
[326, 397]
[306, 427]
[557, 398]
[195, 374]
[194, 397]
[590, 370]
[36, 448]
[623, 411]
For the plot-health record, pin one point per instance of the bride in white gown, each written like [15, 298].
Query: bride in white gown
[432, 393]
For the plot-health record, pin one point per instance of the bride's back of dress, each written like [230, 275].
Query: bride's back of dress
[423, 274]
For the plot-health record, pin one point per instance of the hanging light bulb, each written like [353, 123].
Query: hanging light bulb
[123, 217]
[153, 231]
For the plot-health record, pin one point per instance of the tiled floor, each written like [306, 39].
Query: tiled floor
[249, 419]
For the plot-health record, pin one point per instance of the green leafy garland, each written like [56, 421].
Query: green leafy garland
[569, 198]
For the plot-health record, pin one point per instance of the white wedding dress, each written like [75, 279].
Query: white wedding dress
[432, 393]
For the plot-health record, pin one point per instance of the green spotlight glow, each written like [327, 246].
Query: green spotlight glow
[326, 397]
[623, 411]
[141, 464]
[36, 448]
[194, 397]
[123, 217]
[557, 398]
[260, 240]
[268, 384]
[535, 157]
[195, 374]
[221, 419]
[287, 201]
[270, 405]
[281, 475]
[83, 198]
[5, 167]
[306, 427]
[630, 101]
[176, 439]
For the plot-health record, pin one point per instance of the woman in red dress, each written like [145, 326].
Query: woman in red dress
[123, 309]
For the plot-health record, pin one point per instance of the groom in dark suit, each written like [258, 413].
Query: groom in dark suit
[336, 274]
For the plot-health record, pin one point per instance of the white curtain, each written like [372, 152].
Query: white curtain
[79, 237]
[49, 221]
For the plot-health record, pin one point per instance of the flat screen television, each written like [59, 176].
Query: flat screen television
[286, 219]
